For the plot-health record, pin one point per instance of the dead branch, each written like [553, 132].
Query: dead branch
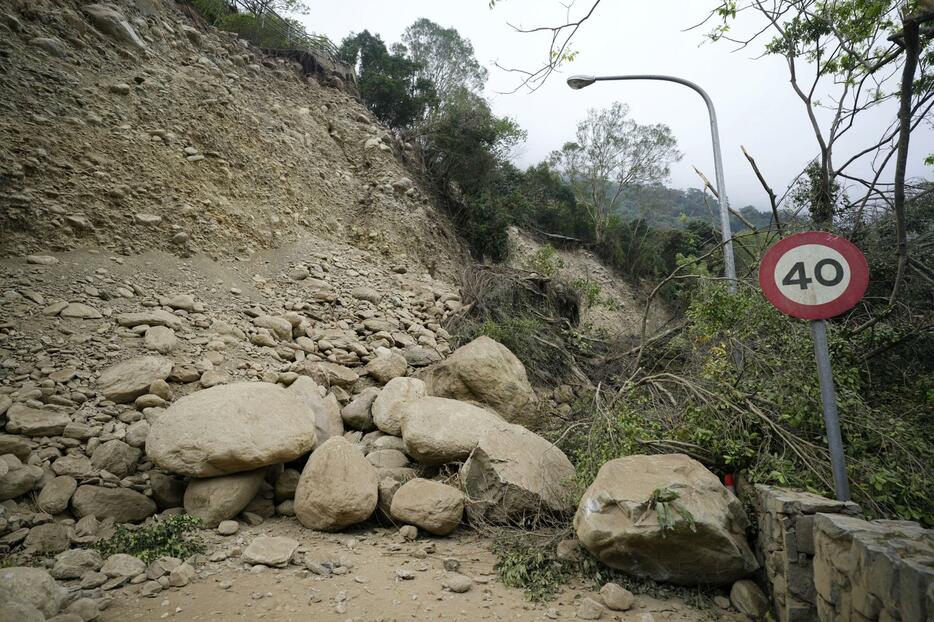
[767, 188]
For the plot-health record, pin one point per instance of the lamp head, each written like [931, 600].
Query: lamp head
[579, 82]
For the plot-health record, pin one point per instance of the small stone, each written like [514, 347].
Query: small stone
[41, 260]
[408, 532]
[270, 551]
[181, 575]
[589, 609]
[148, 219]
[457, 583]
[228, 527]
[123, 565]
[81, 311]
[616, 597]
[749, 599]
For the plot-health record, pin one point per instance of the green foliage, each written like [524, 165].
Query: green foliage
[545, 261]
[535, 569]
[267, 29]
[529, 562]
[664, 502]
[389, 82]
[763, 416]
[175, 536]
[589, 290]
[611, 153]
[444, 59]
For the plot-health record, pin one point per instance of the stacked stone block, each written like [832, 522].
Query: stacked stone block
[785, 547]
[873, 571]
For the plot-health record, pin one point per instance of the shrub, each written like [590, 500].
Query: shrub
[763, 416]
[175, 536]
[589, 290]
[545, 261]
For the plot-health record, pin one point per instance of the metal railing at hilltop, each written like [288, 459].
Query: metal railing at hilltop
[264, 27]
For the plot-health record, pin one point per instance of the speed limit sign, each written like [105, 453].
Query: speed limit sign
[814, 275]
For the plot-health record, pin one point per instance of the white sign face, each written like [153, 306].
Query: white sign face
[812, 274]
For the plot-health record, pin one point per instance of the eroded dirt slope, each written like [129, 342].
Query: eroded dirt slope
[187, 139]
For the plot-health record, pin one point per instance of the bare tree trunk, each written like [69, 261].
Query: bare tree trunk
[912, 49]
[822, 210]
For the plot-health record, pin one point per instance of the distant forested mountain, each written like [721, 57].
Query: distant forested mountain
[672, 208]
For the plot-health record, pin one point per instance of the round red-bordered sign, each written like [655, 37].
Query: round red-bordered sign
[814, 275]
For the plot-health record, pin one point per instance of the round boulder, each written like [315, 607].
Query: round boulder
[338, 487]
[437, 430]
[485, 371]
[435, 507]
[217, 499]
[387, 407]
[231, 428]
[34, 587]
[704, 542]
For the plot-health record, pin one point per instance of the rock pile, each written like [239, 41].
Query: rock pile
[312, 409]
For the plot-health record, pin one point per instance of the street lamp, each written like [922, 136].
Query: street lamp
[581, 81]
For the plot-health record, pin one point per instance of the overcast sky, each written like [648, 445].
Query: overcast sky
[755, 104]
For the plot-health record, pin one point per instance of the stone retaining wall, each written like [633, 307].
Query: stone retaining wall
[866, 571]
[785, 547]
[823, 562]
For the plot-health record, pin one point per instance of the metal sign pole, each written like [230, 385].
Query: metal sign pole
[829, 400]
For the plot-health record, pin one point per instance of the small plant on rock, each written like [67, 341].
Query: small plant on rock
[665, 503]
[175, 536]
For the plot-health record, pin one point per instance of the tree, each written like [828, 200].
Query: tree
[844, 58]
[444, 58]
[611, 154]
[388, 82]
[467, 142]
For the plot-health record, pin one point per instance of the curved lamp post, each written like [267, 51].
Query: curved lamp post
[579, 82]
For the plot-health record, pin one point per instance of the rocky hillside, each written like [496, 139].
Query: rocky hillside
[132, 126]
[226, 386]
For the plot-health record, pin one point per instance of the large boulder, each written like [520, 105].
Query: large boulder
[435, 507]
[22, 419]
[387, 407]
[216, 499]
[437, 430]
[338, 487]
[485, 371]
[32, 586]
[327, 410]
[231, 428]
[514, 475]
[112, 22]
[121, 504]
[386, 365]
[126, 381]
[618, 523]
